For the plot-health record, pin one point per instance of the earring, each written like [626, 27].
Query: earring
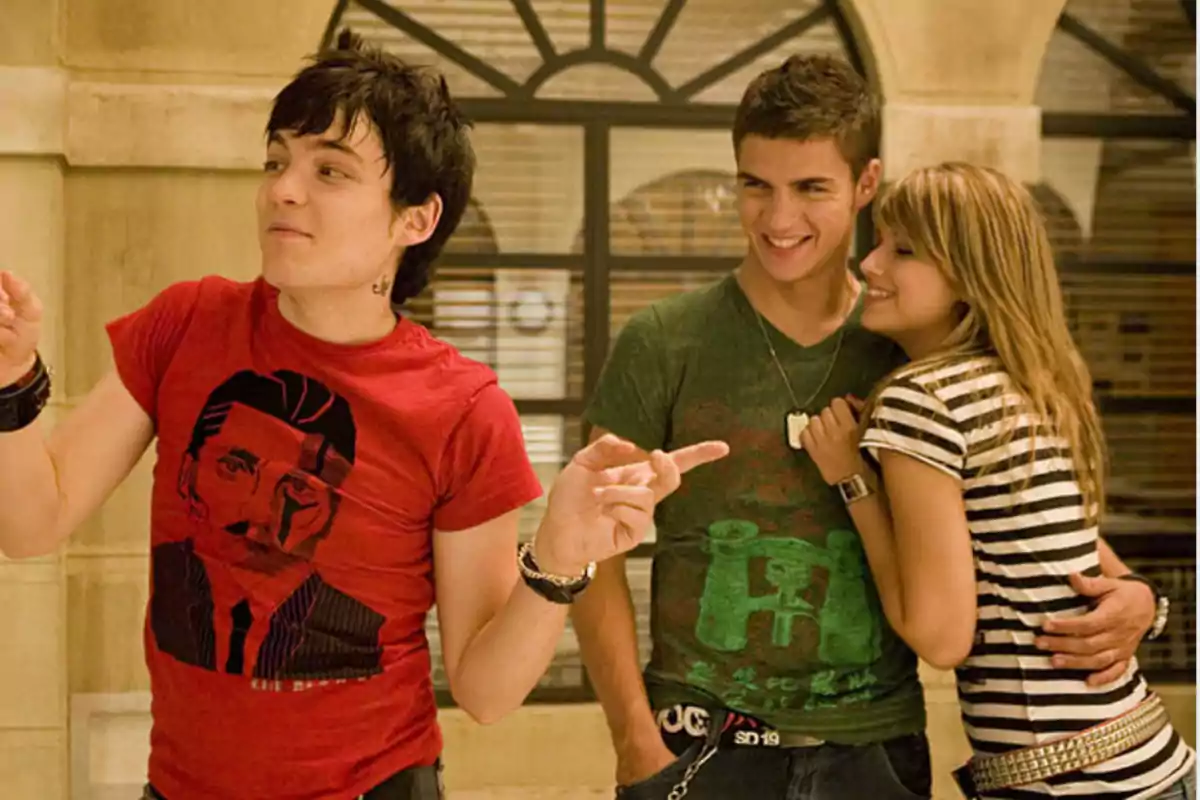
[382, 286]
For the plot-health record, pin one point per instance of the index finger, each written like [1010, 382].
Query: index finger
[1088, 624]
[695, 455]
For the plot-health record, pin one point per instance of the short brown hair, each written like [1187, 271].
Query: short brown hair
[811, 97]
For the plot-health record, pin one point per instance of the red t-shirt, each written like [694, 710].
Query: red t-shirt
[295, 492]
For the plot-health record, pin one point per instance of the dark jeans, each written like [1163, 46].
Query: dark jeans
[897, 769]
[414, 783]
[1180, 790]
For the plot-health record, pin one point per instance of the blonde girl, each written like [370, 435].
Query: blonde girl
[990, 484]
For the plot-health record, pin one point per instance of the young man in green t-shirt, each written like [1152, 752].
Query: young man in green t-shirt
[773, 672]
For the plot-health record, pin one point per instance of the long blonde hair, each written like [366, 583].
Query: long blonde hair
[987, 235]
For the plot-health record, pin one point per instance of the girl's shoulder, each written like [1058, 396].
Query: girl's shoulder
[954, 372]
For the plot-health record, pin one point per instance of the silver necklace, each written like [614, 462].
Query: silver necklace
[796, 421]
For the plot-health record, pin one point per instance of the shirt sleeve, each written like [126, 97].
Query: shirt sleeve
[632, 398]
[145, 341]
[485, 470]
[908, 418]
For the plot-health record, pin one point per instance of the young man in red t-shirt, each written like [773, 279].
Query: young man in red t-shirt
[326, 470]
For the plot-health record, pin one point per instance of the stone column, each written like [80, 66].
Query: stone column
[958, 79]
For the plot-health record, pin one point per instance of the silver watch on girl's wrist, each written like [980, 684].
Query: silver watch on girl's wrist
[854, 488]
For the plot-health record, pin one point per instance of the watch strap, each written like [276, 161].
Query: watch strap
[555, 588]
[23, 401]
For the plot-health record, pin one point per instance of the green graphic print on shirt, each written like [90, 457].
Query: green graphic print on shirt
[762, 599]
[848, 629]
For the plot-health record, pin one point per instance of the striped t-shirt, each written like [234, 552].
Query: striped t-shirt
[1027, 536]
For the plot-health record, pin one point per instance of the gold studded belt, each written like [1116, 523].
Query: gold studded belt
[1084, 749]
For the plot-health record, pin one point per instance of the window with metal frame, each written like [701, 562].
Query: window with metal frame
[605, 180]
[1119, 189]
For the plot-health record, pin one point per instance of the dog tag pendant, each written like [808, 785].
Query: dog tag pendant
[794, 424]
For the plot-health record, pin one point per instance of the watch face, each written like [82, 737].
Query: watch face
[853, 488]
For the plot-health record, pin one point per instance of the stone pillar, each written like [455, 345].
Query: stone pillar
[958, 79]
[33, 703]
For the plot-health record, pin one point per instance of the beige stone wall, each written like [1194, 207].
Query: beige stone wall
[130, 133]
[33, 666]
[129, 145]
[958, 77]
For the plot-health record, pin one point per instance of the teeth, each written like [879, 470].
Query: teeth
[880, 293]
[785, 242]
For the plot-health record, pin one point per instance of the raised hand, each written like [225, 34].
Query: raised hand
[831, 440]
[20, 328]
[602, 503]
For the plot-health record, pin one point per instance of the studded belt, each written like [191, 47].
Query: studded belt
[1085, 749]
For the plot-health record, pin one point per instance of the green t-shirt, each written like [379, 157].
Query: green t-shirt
[761, 597]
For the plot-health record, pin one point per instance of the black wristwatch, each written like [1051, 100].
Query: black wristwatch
[23, 401]
[555, 588]
[1162, 606]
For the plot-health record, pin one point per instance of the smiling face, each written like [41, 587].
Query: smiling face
[797, 201]
[325, 215]
[909, 300]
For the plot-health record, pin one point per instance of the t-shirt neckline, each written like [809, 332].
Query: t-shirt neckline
[777, 336]
[279, 326]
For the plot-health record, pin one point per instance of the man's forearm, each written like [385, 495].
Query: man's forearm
[1111, 566]
[29, 496]
[50, 481]
[607, 630]
[505, 660]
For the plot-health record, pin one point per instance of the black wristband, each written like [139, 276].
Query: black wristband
[23, 401]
